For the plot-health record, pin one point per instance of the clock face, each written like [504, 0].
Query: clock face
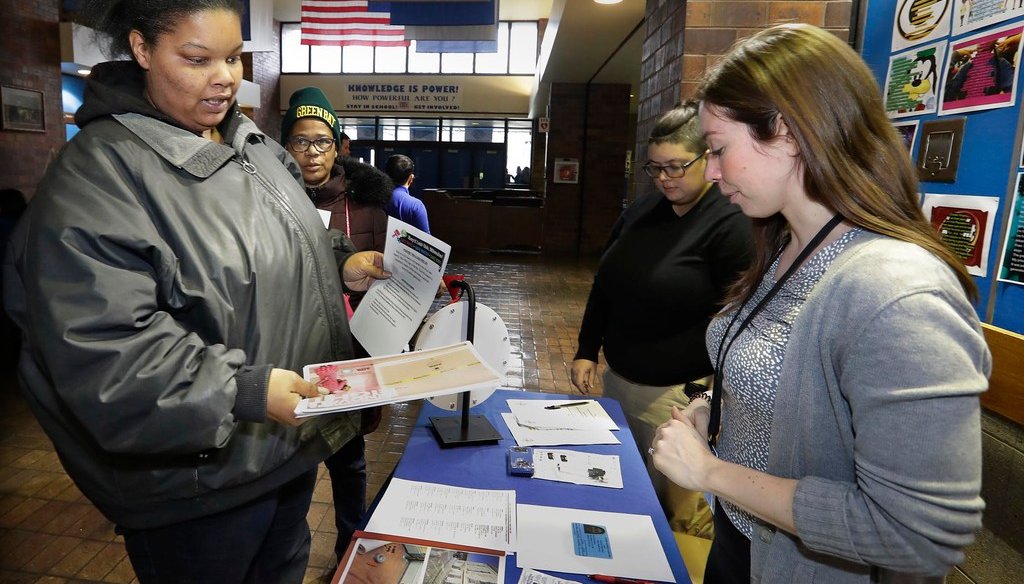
[490, 337]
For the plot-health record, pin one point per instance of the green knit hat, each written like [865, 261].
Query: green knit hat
[310, 102]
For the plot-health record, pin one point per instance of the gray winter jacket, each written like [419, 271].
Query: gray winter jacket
[158, 277]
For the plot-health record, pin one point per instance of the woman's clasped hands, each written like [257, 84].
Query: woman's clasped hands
[681, 450]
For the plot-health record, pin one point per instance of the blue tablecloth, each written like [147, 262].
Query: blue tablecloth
[484, 467]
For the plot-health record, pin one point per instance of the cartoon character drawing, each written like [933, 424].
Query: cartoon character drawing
[921, 87]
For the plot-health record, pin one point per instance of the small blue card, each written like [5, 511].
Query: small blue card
[591, 541]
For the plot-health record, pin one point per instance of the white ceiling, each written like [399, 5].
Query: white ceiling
[584, 41]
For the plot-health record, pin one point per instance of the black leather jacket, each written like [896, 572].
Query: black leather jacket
[158, 277]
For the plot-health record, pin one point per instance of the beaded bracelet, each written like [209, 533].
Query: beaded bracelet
[701, 396]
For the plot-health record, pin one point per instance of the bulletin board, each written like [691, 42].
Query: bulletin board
[912, 56]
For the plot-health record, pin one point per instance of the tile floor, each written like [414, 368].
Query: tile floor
[50, 533]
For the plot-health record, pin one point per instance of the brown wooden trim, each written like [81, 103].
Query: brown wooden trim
[1005, 395]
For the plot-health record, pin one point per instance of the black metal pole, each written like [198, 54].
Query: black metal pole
[470, 330]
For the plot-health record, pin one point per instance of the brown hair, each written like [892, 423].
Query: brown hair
[853, 159]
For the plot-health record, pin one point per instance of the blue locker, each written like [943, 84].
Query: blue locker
[456, 168]
[489, 164]
[426, 159]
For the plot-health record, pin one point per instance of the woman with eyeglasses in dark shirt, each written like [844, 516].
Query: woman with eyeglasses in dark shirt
[667, 264]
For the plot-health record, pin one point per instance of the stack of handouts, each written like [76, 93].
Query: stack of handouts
[559, 422]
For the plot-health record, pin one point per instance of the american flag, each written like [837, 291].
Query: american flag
[346, 23]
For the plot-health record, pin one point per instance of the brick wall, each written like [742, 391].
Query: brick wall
[682, 38]
[30, 59]
[264, 69]
[589, 124]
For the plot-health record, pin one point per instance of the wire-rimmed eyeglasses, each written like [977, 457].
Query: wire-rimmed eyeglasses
[300, 144]
[673, 170]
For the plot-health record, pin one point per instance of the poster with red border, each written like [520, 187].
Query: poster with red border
[964, 223]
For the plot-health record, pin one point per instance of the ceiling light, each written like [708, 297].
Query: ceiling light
[84, 72]
[607, 1]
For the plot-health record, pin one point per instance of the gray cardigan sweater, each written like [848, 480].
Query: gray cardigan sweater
[877, 415]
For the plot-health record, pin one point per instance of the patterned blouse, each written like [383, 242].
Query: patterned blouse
[754, 364]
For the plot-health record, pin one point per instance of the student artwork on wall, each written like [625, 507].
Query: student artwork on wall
[918, 21]
[908, 131]
[971, 15]
[981, 71]
[912, 83]
[1012, 268]
[964, 223]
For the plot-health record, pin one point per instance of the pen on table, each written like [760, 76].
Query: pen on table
[568, 405]
[617, 579]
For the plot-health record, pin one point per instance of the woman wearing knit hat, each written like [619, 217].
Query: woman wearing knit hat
[355, 195]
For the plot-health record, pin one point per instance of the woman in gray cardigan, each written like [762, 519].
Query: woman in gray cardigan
[849, 359]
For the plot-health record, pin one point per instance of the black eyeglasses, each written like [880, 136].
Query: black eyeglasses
[674, 170]
[300, 144]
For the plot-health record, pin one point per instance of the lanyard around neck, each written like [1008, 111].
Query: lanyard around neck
[723, 347]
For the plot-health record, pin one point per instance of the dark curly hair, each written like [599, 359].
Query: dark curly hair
[115, 19]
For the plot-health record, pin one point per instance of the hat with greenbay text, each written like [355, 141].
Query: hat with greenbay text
[309, 102]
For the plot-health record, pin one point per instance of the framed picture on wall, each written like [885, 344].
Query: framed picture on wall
[981, 71]
[912, 81]
[1012, 268]
[970, 15]
[22, 109]
[964, 224]
[912, 26]
[908, 131]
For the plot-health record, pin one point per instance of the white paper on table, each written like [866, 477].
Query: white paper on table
[581, 468]
[545, 543]
[526, 436]
[472, 517]
[392, 309]
[534, 413]
[529, 576]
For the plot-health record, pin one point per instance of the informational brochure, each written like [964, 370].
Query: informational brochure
[581, 468]
[374, 381]
[475, 517]
[391, 559]
[392, 309]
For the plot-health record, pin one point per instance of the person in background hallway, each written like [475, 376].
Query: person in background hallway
[12, 205]
[170, 276]
[354, 194]
[404, 206]
[344, 145]
[848, 357]
[665, 269]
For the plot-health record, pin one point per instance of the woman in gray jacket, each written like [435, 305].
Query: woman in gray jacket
[848, 357]
[170, 276]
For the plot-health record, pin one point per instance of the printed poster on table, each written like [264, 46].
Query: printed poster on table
[1012, 268]
[971, 15]
[391, 559]
[964, 224]
[920, 21]
[981, 71]
[912, 83]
